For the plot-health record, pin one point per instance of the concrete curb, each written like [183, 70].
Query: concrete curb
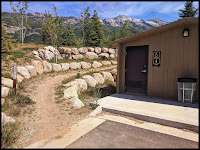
[157, 120]
[96, 111]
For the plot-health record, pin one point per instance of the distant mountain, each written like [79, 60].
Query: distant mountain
[109, 25]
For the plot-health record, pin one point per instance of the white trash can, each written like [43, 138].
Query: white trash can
[186, 89]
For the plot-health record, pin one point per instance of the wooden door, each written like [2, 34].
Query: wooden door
[136, 69]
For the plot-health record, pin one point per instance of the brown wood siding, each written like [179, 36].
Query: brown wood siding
[179, 58]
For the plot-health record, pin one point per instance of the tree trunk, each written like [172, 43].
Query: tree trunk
[22, 31]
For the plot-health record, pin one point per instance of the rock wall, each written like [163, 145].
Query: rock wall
[47, 53]
[39, 67]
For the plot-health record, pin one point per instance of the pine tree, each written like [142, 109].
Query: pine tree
[97, 34]
[87, 28]
[6, 40]
[52, 28]
[188, 11]
[126, 30]
[68, 37]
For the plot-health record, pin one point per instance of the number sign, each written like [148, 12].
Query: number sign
[156, 58]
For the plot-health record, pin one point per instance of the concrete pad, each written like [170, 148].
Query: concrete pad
[162, 111]
[154, 127]
[107, 135]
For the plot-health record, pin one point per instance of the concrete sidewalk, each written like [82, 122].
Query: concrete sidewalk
[156, 110]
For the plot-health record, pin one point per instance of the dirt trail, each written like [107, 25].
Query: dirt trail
[48, 121]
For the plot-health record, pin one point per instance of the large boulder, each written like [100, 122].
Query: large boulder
[6, 119]
[48, 55]
[85, 65]
[38, 57]
[56, 67]
[79, 56]
[70, 92]
[90, 80]
[111, 51]
[4, 91]
[97, 50]
[83, 50]
[104, 55]
[106, 62]
[91, 55]
[114, 71]
[38, 66]
[104, 50]
[61, 50]
[114, 74]
[31, 69]
[49, 48]
[41, 53]
[96, 64]
[19, 78]
[112, 56]
[2, 101]
[79, 84]
[76, 103]
[65, 66]
[67, 50]
[107, 75]
[7, 82]
[23, 72]
[98, 77]
[35, 52]
[74, 51]
[47, 67]
[90, 49]
[75, 65]
[113, 62]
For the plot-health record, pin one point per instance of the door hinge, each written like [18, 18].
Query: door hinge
[126, 53]
[125, 70]
[125, 87]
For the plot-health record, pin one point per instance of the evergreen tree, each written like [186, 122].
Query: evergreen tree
[87, 28]
[126, 30]
[68, 37]
[98, 35]
[6, 40]
[188, 11]
[52, 28]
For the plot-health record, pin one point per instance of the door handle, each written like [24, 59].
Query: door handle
[144, 71]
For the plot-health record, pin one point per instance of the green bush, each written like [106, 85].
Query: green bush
[78, 75]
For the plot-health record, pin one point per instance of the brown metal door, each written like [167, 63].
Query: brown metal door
[136, 69]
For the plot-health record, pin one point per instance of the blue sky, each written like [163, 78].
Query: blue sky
[164, 10]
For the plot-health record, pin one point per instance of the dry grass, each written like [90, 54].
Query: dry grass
[21, 54]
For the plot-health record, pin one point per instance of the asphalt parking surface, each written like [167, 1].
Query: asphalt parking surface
[112, 134]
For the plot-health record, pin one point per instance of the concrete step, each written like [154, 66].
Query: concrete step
[155, 110]
[153, 119]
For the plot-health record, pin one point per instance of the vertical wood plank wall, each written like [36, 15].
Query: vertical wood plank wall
[179, 58]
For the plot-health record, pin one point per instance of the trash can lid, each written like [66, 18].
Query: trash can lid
[187, 80]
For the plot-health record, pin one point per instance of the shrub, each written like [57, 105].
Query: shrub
[6, 75]
[10, 134]
[6, 40]
[78, 75]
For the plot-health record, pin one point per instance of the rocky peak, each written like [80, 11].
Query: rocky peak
[36, 14]
[156, 22]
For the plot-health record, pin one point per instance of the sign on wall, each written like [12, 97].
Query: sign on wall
[156, 58]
